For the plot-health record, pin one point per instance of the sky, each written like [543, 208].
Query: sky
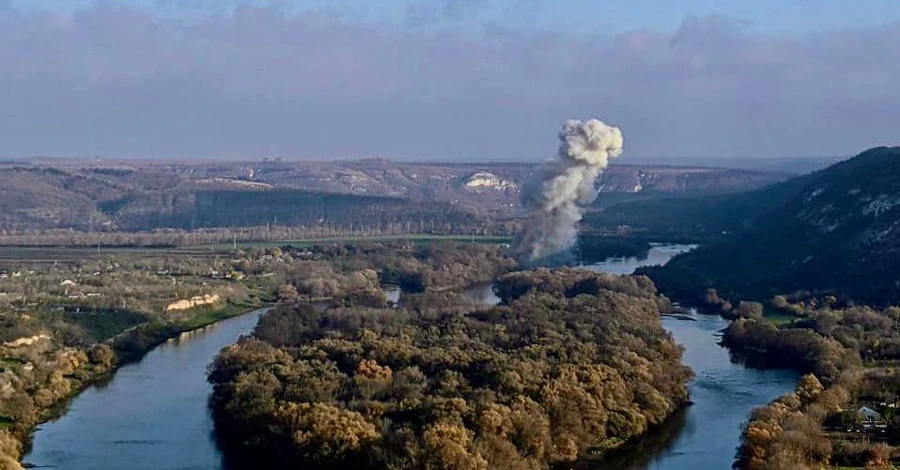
[445, 79]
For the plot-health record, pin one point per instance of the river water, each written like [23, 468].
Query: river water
[153, 413]
[705, 435]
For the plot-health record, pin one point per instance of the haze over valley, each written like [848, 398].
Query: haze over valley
[449, 234]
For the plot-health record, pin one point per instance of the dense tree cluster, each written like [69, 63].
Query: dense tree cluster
[414, 267]
[850, 353]
[560, 372]
[67, 324]
[568, 282]
[10, 451]
[36, 377]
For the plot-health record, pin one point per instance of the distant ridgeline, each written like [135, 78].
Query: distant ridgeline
[833, 231]
[93, 200]
[290, 207]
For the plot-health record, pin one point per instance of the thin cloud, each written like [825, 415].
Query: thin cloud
[426, 12]
[119, 81]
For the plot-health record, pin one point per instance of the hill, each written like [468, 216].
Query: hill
[833, 231]
[375, 194]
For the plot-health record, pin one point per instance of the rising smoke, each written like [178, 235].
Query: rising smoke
[555, 195]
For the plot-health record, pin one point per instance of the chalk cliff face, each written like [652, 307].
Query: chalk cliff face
[27, 341]
[195, 301]
[484, 179]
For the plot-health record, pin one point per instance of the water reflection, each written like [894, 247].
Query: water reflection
[707, 433]
[151, 415]
[659, 254]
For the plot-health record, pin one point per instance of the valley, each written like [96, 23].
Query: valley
[449, 235]
[76, 313]
[368, 197]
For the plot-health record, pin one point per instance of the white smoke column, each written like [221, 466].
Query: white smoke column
[554, 198]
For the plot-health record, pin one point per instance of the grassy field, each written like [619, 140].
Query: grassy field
[780, 318]
[32, 254]
[424, 239]
[214, 315]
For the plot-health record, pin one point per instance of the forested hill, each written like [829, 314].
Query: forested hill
[836, 230]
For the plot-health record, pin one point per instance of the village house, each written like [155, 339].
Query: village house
[870, 418]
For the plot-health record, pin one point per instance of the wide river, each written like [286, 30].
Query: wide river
[152, 414]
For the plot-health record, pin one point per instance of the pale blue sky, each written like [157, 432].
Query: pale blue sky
[772, 16]
[446, 79]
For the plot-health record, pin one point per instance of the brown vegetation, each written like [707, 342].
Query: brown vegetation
[561, 372]
[852, 352]
[66, 324]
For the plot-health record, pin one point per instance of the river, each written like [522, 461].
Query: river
[706, 434]
[153, 414]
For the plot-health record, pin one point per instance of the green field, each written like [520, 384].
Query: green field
[41, 254]
[423, 239]
[34, 254]
[214, 315]
[780, 318]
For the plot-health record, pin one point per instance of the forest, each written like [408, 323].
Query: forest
[791, 236]
[849, 354]
[69, 323]
[571, 365]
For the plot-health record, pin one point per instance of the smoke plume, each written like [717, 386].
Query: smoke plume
[556, 193]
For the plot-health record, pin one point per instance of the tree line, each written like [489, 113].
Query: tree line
[848, 354]
[571, 365]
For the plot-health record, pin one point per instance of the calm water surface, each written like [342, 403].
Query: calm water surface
[706, 435]
[153, 414]
[659, 254]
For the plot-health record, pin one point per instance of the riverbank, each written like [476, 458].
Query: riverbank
[150, 415]
[348, 271]
[844, 412]
[521, 384]
[128, 348]
[82, 434]
[132, 344]
[722, 393]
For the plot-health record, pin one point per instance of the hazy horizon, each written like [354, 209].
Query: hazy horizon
[444, 80]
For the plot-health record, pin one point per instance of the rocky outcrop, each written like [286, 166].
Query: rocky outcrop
[484, 179]
[196, 301]
[25, 341]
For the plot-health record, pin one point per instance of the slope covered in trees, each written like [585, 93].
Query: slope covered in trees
[833, 231]
[573, 364]
[850, 355]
